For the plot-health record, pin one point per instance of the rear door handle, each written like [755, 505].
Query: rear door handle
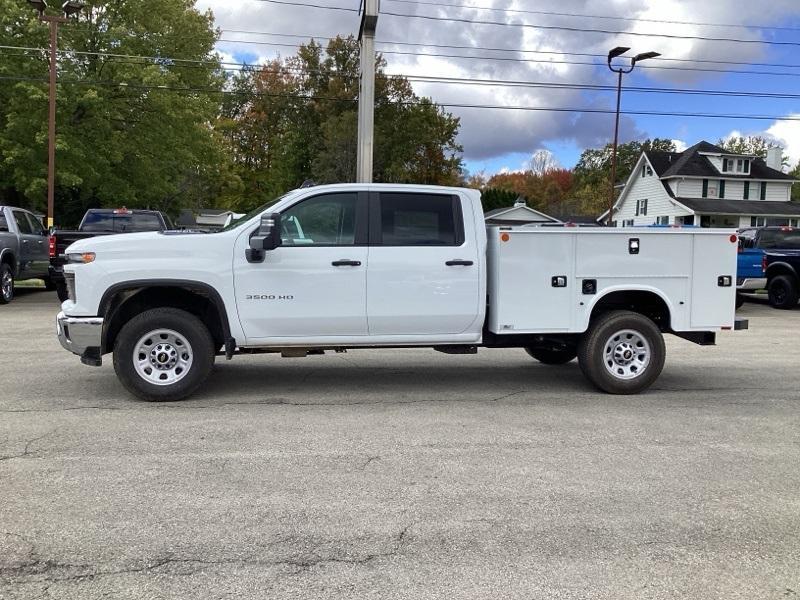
[459, 263]
[346, 263]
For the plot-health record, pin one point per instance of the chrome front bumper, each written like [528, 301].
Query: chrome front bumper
[81, 335]
[751, 283]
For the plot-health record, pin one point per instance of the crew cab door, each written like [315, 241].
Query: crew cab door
[313, 285]
[32, 247]
[424, 272]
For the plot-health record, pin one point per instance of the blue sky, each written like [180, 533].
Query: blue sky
[505, 139]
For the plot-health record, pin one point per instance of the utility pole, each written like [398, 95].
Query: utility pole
[70, 8]
[366, 91]
[614, 53]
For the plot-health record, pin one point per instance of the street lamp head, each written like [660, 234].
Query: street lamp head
[71, 7]
[645, 56]
[618, 51]
[39, 5]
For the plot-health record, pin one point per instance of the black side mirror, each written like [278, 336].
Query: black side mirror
[268, 237]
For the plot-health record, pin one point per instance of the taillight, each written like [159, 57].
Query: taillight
[764, 263]
[52, 246]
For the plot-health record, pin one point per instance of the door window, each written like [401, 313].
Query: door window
[36, 224]
[327, 220]
[3, 222]
[419, 220]
[23, 224]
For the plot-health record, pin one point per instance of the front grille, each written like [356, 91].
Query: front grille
[69, 279]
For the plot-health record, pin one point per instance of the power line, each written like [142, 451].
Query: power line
[494, 49]
[238, 67]
[443, 104]
[545, 27]
[588, 16]
[544, 62]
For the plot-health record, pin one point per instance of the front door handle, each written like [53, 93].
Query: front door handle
[346, 263]
[459, 263]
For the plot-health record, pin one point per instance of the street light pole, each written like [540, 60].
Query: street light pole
[620, 71]
[69, 8]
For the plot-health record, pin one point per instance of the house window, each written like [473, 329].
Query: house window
[710, 188]
[724, 165]
[688, 220]
[662, 220]
[641, 207]
[627, 223]
[746, 190]
[757, 221]
[721, 188]
[763, 190]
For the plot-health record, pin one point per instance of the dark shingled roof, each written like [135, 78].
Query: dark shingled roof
[716, 206]
[690, 163]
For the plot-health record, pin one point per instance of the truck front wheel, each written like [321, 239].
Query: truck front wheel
[622, 352]
[6, 283]
[163, 354]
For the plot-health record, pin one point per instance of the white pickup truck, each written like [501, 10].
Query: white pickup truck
[373, 266]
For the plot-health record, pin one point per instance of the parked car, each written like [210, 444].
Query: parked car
[23, 250]
[340, 267]
[97, 222]
[783, 270]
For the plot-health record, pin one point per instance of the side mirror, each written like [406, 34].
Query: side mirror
[268, 237]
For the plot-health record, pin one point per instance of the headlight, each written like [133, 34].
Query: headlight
[81, 257]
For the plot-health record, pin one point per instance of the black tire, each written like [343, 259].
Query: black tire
[61, 291]
[49, 284]
[549, 356]
[739, 300]
[6, 283]
[597, 365]
[189, 329]
[782, 291]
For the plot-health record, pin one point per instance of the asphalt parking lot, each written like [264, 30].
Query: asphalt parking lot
[402, 474]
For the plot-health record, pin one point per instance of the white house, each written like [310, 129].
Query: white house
[708, 186]
[519, 214]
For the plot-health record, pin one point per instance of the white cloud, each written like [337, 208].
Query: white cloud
[680, 145]
[787, 134]
[490, 133]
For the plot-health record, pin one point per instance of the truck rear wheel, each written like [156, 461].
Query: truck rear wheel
[782, 292]
[622, 352]
[548, 356]
[163, 354]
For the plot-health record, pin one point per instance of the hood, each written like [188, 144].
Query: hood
[144, 243]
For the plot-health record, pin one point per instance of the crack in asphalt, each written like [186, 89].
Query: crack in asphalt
[33, 568]
[27, 449]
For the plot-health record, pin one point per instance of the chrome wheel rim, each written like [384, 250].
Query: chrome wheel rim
[626, 354]
[7, 284]
[162, 357]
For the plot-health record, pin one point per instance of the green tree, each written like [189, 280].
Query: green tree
[122, 137]
[755, 145]
[493, 198]
[796, 187]
[296, 119]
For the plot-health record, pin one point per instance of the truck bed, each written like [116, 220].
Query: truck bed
[547, 280]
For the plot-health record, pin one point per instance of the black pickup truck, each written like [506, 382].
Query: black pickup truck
[783, 269]
[100, 221]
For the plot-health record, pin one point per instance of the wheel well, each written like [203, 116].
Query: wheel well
[126, 304]
[649, 304]
[8, 258]
[780, 269]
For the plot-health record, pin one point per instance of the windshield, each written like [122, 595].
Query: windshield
[236, 222]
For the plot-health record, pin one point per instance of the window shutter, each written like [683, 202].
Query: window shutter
[724, 164]
[644, 208]
[705, 188]
[721, 188]
[763, 190]
[746, 190]
[637, 207]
